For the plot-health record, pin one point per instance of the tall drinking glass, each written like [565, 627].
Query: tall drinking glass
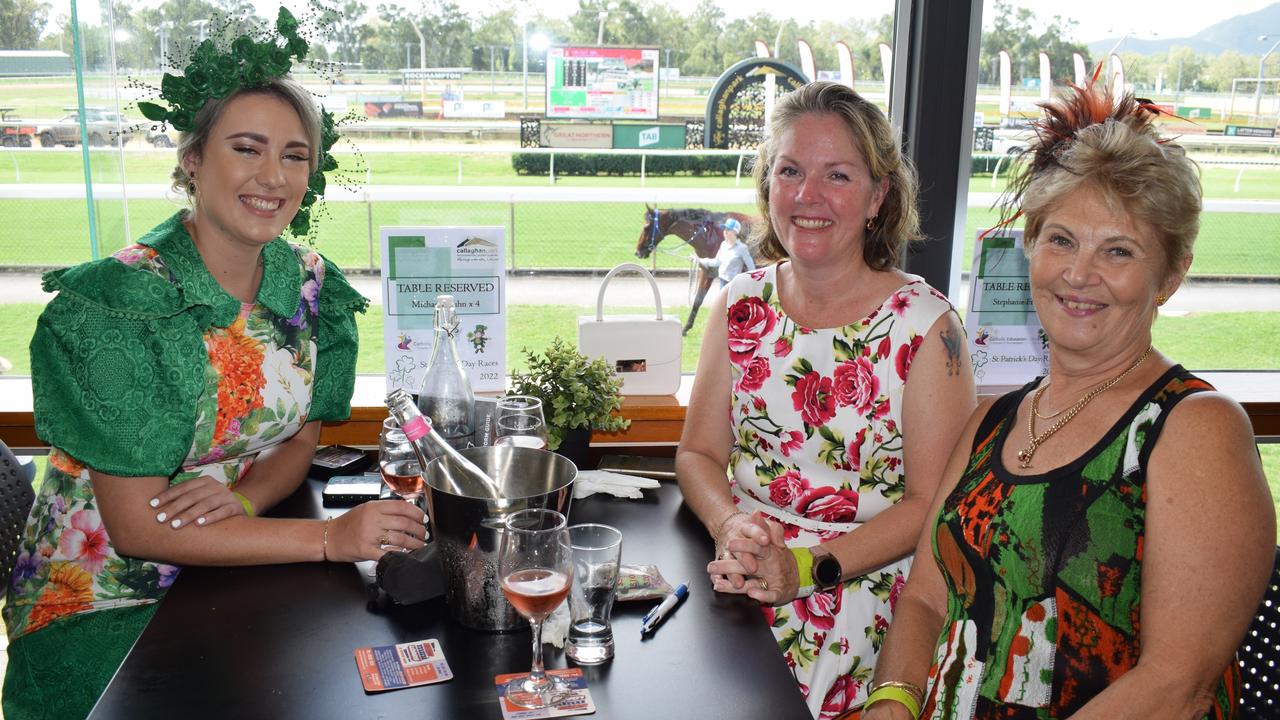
[518, 421]
[535, 562]
[597, 550]
[398, 462]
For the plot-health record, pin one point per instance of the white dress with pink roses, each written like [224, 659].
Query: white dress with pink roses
[817, 417]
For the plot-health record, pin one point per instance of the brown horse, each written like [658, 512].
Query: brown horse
[700, 230]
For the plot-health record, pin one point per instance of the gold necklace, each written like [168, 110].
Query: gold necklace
[1035, 408]
[1035, 441]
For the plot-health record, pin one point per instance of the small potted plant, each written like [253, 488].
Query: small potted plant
[579, 394]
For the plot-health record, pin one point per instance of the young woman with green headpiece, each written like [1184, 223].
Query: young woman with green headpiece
[181, 384]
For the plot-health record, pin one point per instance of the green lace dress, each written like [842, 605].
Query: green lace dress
[143, 366]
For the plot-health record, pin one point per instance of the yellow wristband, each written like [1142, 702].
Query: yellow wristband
[804, 564]
[896, 694]
[244, 503]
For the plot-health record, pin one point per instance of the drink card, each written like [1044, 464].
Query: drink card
[575, 701]
[391, 667]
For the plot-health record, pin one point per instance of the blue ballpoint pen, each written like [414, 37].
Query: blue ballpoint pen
[662, 609]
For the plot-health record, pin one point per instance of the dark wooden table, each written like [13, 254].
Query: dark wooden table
[278, 642]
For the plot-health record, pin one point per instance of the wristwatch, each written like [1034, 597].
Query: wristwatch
[827, 572]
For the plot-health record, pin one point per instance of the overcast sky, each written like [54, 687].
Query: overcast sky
[1098, 18]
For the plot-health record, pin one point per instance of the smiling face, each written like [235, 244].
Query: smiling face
[252, 172]
[821, 193]
[1095, 274]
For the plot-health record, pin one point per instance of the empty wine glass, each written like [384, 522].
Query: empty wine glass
[398, 462]
[535, 562]
[518, 421]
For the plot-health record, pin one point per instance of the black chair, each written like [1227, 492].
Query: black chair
[1259, 656]
[16, 497]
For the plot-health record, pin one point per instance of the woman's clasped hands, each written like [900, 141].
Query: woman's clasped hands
[752, 559]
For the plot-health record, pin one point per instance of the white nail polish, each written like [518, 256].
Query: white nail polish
[155, 502]
[199, 521]
[177, 523]
[160, 517]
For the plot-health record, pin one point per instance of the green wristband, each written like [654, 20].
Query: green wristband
[804, 564]
[245, 503]
[895, 694]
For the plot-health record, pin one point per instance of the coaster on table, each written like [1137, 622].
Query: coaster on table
[575, 701]
[391, 667]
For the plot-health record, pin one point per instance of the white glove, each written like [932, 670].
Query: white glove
[590, 482]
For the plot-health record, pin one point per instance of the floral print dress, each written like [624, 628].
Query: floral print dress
[817, 417]
[254, 390]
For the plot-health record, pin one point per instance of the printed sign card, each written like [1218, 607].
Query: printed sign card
[574, 701]
[421, 263]
[1006, 344]
[391, 667]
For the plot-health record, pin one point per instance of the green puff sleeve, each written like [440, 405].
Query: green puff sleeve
[115, 386]
[336, 346]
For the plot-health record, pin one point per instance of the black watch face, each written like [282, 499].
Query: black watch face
[826, 572]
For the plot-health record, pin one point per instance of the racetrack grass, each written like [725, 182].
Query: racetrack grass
[547, 235]
[414, 166]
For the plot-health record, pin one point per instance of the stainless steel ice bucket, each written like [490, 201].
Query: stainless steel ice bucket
[468, 530]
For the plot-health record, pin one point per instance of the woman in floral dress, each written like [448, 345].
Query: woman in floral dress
[845, 382]
[181, 384]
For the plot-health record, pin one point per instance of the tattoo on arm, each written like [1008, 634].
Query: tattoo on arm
[953, 342]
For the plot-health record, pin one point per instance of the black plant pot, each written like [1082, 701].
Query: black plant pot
[576, 445]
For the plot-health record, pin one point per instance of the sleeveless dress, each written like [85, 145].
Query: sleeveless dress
[144, 366]
[1044, 572]
[817, 418]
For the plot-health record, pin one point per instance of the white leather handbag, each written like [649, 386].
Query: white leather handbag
[644, 351]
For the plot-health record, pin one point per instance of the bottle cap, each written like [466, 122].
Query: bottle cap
[445, 313]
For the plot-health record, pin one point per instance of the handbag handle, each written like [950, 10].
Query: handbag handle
[657, 298]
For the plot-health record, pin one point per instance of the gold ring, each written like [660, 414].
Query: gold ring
[383, 539]
[764, 584]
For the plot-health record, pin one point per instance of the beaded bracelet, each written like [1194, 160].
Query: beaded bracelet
[244, 503]
[324, 549]
[886, 691]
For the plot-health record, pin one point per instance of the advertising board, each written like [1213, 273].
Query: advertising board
[605, 83]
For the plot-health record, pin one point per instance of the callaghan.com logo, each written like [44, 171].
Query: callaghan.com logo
[475, 249]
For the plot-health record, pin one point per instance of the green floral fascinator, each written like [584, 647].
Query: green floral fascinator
[213, 74]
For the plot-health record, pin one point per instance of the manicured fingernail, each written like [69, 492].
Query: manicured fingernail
[155, 502]
[177, 523]
[160, 517]
[199, 521]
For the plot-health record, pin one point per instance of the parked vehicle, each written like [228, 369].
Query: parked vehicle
[101, 125]
[13, 132]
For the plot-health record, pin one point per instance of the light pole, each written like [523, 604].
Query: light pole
[524, 63]
[600, 29]
[1262, 72]
[202, 27]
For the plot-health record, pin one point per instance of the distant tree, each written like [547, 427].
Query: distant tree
[21, 22]
[498, 30]
[341, 27]
[1222, 69]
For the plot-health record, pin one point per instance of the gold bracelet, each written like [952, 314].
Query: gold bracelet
[720, 528]
[910, 688]
[324, 549]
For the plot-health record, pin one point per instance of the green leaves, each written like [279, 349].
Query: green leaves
[576, 392]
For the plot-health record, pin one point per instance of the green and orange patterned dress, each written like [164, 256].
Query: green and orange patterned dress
[143, 366]
[1044, 572]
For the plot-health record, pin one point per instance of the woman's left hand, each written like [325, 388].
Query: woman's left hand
[773, 578]
[200, 501]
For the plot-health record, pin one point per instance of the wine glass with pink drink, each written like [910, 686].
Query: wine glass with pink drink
[535, 562]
